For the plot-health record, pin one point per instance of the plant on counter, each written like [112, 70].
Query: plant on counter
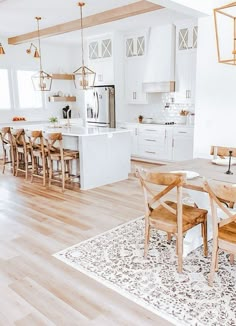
[184, 113]
[53, 119]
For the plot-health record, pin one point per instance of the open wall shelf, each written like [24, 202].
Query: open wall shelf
[63, 76]
[62, 98]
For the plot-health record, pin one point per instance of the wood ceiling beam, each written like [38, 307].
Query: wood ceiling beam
[108, 16]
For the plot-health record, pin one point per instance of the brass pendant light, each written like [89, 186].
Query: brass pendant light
[84, 77]
[42, 81]
[1, 49]
[225, 30]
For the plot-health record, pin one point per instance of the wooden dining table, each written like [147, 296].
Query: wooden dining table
[202, 169]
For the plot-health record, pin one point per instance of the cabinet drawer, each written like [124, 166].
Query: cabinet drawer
[183, 132]
[148, 140]
[148, 152]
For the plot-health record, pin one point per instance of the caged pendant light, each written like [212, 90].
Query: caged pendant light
[225, 30]
[42, 81]
[84, 77]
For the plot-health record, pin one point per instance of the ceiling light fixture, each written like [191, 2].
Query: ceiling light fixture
[225, 29]
[1, 49]
[42, 81]
[84, 77]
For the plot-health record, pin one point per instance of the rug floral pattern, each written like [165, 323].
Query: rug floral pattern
[115, 258]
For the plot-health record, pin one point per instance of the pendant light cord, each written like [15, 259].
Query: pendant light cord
[40, 59]
[81, 4]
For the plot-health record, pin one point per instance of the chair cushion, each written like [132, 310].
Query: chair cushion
[228, 232]
[164, 220]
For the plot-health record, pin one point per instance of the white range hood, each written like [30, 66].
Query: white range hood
[159, 70]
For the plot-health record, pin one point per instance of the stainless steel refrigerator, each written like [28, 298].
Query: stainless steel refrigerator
[100, 106]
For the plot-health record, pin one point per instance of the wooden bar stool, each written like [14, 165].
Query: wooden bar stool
[22, 150]
[8, 148]
[62, 157]
[38, 155]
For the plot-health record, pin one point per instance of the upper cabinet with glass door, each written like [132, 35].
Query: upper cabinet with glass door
[100, 48]
[187, 37]
[135, 45]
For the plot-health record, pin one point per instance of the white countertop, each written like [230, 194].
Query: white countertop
[76, 131]
[156, 124]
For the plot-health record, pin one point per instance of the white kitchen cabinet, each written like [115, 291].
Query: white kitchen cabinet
[100, 48]
[100, 59]
[182, 144]
[187, 37]
[134, 136]
[186, 57]
[154, 142]
[135, 46]
[186, 75]
[134, 73]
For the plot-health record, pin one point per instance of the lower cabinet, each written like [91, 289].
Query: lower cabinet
[154, 142]
[134, 137]
[182, 144]
[160, 143]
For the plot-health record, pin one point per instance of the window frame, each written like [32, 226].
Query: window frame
[10, 90]
[15, 89]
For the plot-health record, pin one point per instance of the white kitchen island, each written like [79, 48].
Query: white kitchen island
[104, 153]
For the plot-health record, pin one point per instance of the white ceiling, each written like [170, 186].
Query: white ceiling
[18, 17]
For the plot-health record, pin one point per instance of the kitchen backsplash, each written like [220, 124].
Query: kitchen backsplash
[162, 107]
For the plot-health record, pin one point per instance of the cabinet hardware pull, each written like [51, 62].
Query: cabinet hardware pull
[182, 132]
[150, 140]
[149, 130]
[134, 96]
[165, 133]
[173, 142]
[136, 131]
[188, 93]
[150, 152]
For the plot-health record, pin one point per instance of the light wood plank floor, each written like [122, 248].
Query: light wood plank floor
[36, 288]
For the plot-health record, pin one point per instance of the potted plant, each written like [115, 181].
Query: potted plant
[140, 118]
[53, 121]
[183, 115]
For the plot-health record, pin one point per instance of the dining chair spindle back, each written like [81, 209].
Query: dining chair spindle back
[224, 230]
[166, 215]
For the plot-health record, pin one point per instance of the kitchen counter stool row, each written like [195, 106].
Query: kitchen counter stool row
[40, 153]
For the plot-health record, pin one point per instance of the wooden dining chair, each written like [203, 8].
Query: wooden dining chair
[62, 170]
[8, 148]
[222, 152]
[38, 154]
[224, 230]
[22, 150]
[172, 217]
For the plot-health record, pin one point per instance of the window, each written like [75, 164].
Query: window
[28, 97]
[5, 102]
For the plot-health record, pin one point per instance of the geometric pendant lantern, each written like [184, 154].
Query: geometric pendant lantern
[42, 81]
[225, 30]
[84, 77]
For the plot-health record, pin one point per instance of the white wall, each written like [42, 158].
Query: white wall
[215, 95]
[55, 59]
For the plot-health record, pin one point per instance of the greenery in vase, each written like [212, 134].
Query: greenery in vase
[53, 119]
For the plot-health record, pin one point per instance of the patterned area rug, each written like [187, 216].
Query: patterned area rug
[115, 258]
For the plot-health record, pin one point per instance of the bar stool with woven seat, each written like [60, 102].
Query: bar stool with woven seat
[22, 150]
[8, 148]
[63, 158]
[38, 155]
